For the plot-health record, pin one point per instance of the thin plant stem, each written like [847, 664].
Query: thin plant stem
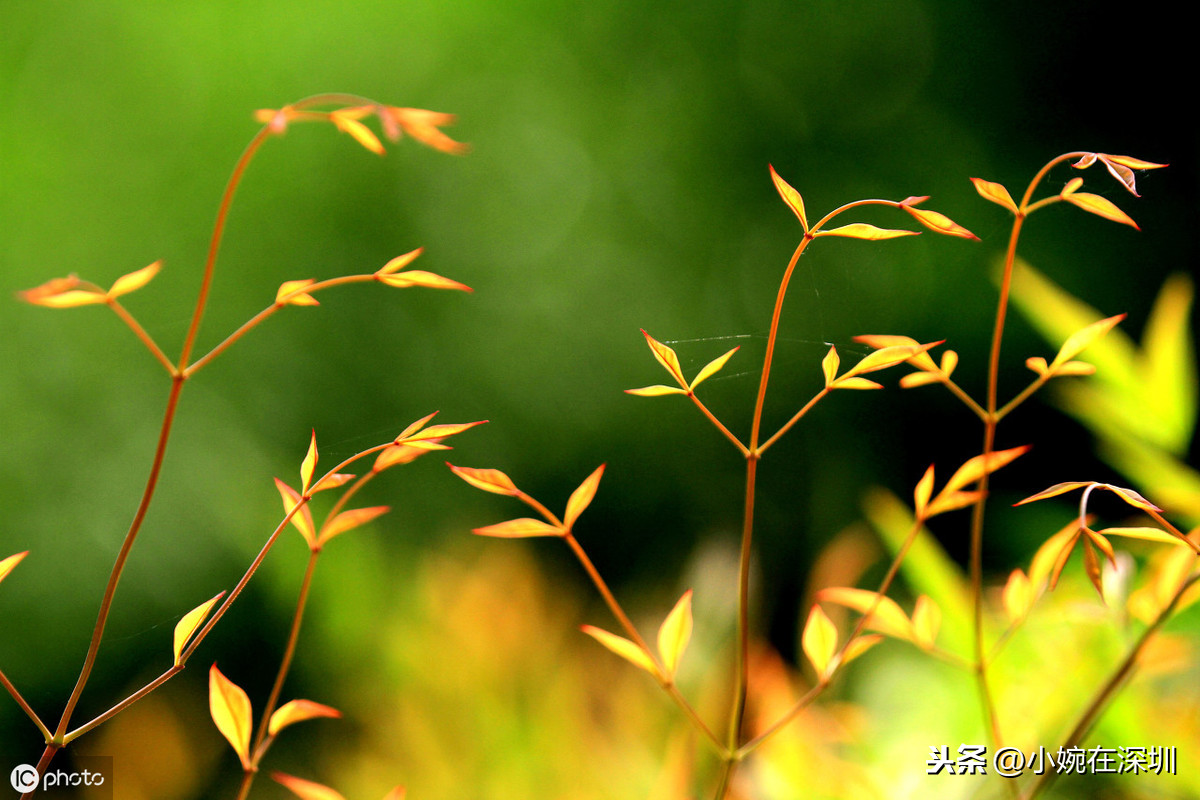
[258, 747]
[143, 336]
[1120, 676]
[12, 690]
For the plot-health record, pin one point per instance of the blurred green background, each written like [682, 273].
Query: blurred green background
[618, 181]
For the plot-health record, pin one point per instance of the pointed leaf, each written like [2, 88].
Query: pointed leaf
[675, 632]
[427, 280]
[1079, 341]
[361, 133]
[399, 262]
[887, 617]
[923, 492]
[308, 464]
[230, 709]
[819, 640]
[291, 293]
[1122, 167]
[134, 280]
[302, 519]
[1049, 553]
[397, 454]
[711, 368]
[436, 433]
[830, 364]
[920, 358]
[995, 192]
[1148, 534]
[790, 196]
[981, 465]
[951, 501]
[861, 644]
[489, 480]
[522, 528]
[297, 711]
[1100, 206]
[939, 223]
[890, 356]
[1018, 597]
[914, 379]
[655, 391]
[190, 623]
[1132, 498]
[67, 292]
[1054, 491]
[581, 498]
[666, 356]
[348, 521]
[414, 427]
[861, 230]
[624, 648]
[305, 790]
[332, 481]
[926, 621]
[1072, 186]
[855, 383]
[1091, 566]
[6, 566]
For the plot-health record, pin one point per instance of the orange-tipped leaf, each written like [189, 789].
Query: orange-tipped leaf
[582, 497]
[297, 711]
[230, 709]
[189, 624]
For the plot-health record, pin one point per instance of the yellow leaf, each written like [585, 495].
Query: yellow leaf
[994, 192]
[361, 133]
[923, 492]
[861, 230]
[302, 519]
[926, 620]
[711, 368]
[423, 126]
[655, 391]
[1079, 341]
[415, 426]
[1071, 187]
[134, 280]
[427, 280]
[914, 379]
[890, 356]
[949, 362]
[6, 566]
[819, 640]
[1122, 167]
[920, 358]
[624, 648]
[308, 464]
[189, 624]
[860, 645]
[790, 196]
[1132, 498]
[1075, 368]
[400, 262]
[951, 501]
[830, 364]
[67, 292]
[975, 468]
[1050, 552]
[1100, 206]
[332, 481]
[675, 632]
[291, 293]
[666, 356]
[1037, 364]
[887, 617]
[522, 528]
[230, 709]
[1017, 597]
[489, 480]
[1054, 491]
[348, 521]
[939, 223]
[855, 383]
[436, 433]
[297, 711]
[581, 498]
[305, 790]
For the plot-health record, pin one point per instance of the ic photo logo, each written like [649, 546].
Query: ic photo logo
[86, 774]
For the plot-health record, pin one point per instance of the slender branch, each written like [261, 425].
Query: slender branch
[1110, 688]
[142, 335]
[123, 555]
[257, 748]
[174, 670]
[28, 709]
[719, 425]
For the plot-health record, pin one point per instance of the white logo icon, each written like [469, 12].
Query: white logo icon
[23, 778]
